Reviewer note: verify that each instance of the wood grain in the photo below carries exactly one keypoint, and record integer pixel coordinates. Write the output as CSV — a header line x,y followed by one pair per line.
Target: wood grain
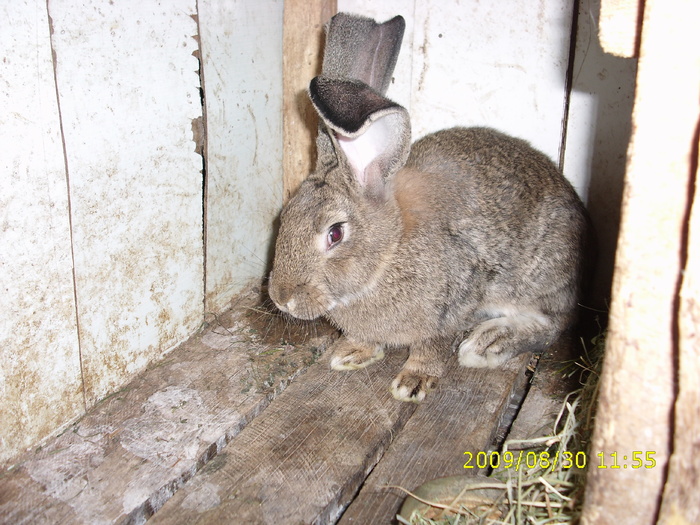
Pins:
x,y
127,456
681,498
460,416
303,53
303,459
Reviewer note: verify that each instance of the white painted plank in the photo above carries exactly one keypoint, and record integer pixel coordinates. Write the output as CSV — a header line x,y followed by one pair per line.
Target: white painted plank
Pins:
x,y
40,384
128,90
499,64
242,63
600,117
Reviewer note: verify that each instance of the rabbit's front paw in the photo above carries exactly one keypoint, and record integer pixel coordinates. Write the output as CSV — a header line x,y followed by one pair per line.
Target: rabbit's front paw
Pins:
x,y
349,355
412,386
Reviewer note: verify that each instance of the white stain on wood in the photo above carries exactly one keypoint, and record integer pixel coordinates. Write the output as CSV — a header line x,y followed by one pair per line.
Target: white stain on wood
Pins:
x,y
242,67
40,383
129,91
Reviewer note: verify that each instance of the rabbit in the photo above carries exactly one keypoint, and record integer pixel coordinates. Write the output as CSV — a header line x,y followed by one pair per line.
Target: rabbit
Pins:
x,y
467,237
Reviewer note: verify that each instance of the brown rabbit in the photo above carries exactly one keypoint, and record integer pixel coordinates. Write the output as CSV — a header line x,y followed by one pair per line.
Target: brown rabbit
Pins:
x,y
468,231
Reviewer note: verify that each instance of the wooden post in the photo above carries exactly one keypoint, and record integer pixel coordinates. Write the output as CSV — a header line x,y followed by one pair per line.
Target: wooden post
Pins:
x,y
639,418
304,21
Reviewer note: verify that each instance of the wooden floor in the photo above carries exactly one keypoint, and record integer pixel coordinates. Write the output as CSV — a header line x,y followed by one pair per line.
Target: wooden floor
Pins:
x,y
246,423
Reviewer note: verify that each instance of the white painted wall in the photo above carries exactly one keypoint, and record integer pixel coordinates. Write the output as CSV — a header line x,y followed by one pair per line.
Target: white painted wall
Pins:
x,y
600,125
491,63
102,239
40,381
503,64
128,92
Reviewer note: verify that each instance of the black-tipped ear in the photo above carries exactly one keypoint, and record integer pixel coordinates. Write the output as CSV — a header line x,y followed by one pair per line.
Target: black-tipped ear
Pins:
x,y
373,132
360,48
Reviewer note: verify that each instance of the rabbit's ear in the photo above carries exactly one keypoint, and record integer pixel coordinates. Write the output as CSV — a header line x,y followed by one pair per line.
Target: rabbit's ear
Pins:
x,y
373,132
360,48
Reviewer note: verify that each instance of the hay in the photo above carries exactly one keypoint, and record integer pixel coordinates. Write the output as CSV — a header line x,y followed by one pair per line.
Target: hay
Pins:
x,y
541,480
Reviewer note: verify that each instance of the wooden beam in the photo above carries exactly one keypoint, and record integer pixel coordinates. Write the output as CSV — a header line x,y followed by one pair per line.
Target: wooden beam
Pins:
x,y
304,21
681,500
640,373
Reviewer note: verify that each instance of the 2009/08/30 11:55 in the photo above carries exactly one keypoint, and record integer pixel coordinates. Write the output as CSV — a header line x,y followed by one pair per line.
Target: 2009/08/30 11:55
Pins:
x,y
566,459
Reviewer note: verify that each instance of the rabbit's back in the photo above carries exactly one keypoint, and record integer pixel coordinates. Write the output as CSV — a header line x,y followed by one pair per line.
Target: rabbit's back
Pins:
x,y
510,226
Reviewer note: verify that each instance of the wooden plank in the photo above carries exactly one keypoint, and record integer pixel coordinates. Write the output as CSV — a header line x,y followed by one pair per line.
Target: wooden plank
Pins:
x,y
302,460
127,456
128,93
40,382
460,416
303,53
241,49
638,384
597,135
681,497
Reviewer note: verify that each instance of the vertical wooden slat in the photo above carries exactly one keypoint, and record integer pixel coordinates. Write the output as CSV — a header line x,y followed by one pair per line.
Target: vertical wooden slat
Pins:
x,y
681,499
637,388
620,22
128,92
241,48
303,53
40,383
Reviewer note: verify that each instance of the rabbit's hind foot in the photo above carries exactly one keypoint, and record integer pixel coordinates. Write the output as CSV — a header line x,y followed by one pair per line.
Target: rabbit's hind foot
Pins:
x,y
496,340
350,355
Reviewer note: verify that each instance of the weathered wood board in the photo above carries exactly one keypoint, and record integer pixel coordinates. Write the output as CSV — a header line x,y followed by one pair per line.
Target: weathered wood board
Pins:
x,y
303,459
641,384
40,377
124,459
306,456
128,91
460,416
303,51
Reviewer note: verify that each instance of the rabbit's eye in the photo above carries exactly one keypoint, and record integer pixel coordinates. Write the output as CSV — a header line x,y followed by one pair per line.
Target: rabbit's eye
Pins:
x,y
335,235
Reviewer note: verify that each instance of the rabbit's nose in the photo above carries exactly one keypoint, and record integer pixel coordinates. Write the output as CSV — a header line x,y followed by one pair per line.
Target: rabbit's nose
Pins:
x,y
282,296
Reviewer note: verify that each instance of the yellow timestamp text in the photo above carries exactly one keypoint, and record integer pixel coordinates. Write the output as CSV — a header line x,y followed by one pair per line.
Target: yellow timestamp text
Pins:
x,y
566,460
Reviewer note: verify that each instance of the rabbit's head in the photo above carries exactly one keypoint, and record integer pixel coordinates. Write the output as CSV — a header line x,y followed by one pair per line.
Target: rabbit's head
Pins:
x,y
340,229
